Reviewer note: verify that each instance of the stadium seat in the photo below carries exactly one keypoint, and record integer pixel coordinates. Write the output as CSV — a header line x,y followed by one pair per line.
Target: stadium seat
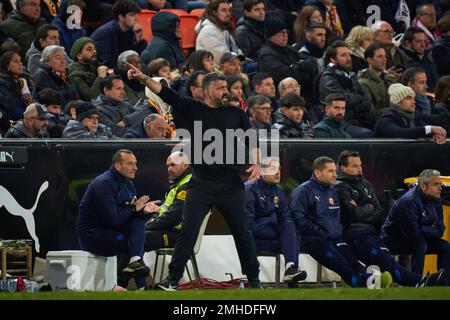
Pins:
x,y
178,12
145,19
277,256
169,251
187,26
198,12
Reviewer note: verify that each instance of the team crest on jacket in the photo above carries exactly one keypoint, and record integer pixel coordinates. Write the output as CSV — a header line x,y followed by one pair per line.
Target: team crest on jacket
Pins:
x,y
276,200
331,201
181,195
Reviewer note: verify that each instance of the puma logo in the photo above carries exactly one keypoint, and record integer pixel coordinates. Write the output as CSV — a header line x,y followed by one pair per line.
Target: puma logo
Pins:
x,y
9,202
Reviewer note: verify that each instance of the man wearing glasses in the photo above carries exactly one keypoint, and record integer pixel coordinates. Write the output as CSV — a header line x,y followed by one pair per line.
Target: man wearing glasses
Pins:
x,y
33,125
426,20
260,110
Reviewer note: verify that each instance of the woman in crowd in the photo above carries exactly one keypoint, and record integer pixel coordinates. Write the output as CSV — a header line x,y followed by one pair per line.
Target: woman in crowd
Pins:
x,y
236,90
359,39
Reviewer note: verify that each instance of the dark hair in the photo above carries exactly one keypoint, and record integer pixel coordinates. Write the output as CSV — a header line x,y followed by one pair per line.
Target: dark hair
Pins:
x,y
331,51
123,7
344,155
249,4
155,65
320,163
232,80
293,100
259,77
5,60
210,14
410,74
258,100
210,78
334,97
420,7
302,20
72,105
117,157
192,80
195,61
444,24
10,45
442,89
410,34
50,96
108,83
310,27
370,51
42,31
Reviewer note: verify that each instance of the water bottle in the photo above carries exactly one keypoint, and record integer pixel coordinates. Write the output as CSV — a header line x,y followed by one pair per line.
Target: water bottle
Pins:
x,y
241,284
32,286
21,287
333,284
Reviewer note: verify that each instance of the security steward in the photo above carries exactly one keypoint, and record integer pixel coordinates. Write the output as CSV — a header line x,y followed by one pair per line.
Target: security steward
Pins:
x,y
212,184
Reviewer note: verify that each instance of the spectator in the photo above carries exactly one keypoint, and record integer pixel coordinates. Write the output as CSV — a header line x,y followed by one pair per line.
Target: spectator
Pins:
x,y
442,106
199,60
333,124
399,121
46,35
86,72
359,39
416,79
329,14
397,59
117,36
52,73
288,85
134,90
86,125
194,85
166,40
280,60
235,87
23,23
140,43
375,80
115,112
53,101
154,5
426,21
270,221
289,118
260,112
15,89
338,78
33,125
70,111
413,45
251,28
308,15
263,85
214,32
160,67
415,224
441,48
68,35
154,126
398,13
230,65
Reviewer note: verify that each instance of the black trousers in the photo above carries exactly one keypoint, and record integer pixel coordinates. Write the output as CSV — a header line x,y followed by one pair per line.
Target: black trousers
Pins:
x,y
228,197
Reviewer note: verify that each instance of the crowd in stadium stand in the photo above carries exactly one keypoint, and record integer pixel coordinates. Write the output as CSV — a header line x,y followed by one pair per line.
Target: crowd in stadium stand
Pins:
x,y
287,64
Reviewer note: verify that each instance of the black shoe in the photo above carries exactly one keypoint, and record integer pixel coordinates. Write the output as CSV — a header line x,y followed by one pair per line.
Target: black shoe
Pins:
x,y
255,284
293,274
168,284
137,269
432,280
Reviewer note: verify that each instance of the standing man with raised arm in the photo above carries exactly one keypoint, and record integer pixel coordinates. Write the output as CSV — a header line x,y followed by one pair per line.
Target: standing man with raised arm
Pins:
x,y
212,183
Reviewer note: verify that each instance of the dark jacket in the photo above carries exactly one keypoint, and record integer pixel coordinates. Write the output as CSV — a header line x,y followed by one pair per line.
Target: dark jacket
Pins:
x,y
56,125
266,208
315,211
352,13
330,128
18,131
288,128
85,77
170,217
441,55
249,36
76,130
106,204
134,90
136,131
414,218
67,36
12,105
45,79
358,106
389,9
113,111
426,62
393,124
164,43
111,41
364,218
22,30
358,63
283,62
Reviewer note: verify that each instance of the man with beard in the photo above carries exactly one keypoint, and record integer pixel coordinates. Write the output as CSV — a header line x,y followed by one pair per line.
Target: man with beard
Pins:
x,y
333,123
214,183
362,216
85,71
33,125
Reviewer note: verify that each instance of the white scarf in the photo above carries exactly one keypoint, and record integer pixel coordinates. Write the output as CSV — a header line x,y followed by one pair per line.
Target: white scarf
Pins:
x,y
403,13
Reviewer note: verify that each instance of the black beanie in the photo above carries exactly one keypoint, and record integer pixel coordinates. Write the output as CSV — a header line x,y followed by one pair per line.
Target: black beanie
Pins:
x,y
85,110
274,25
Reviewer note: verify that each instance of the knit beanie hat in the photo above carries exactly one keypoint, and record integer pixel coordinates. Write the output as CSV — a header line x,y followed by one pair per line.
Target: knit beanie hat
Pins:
x,y
78,46
398,92
85,110
274,25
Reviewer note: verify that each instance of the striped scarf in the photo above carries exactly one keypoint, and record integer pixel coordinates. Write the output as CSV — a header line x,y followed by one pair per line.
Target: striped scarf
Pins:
x,y
333,22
